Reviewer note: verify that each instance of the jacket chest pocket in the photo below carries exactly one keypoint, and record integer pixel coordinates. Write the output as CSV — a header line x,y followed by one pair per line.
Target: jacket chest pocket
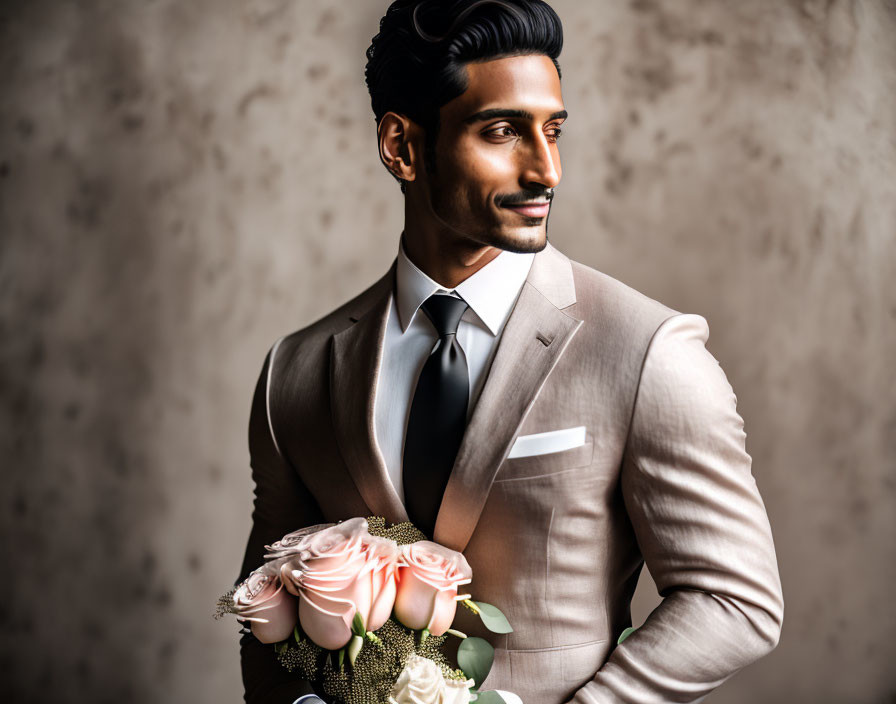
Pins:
x,y
552,463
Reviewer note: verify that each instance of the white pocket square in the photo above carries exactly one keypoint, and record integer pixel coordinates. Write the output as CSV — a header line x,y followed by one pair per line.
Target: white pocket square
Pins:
x,y
545,443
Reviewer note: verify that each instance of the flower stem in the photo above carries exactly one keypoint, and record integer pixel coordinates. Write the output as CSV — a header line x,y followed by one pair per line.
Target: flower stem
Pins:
x,y
471,606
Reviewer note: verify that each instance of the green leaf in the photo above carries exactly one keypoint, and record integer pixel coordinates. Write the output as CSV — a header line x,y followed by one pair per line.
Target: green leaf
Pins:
x,y
494,620
625,634
475,657
489,697
295,634
358,625
341,657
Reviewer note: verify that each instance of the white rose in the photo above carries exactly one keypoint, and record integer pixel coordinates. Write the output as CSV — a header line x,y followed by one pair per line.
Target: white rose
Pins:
x,y
421,682
457,692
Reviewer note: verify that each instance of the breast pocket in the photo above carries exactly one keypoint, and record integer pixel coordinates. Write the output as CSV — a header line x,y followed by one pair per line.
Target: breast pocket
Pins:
x,y
535,466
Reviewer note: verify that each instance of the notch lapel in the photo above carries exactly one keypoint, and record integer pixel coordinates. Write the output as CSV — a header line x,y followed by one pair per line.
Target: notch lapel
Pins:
x,y
354,367
534,338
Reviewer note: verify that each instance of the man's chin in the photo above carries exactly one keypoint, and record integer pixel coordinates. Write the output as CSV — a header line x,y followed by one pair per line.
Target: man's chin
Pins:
x,y
521,243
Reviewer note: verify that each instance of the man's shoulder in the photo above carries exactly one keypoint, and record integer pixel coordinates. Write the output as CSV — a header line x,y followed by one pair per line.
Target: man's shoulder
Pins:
x,y
598,293
315,335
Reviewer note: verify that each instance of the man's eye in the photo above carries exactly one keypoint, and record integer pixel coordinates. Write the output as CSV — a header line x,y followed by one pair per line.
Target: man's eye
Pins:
x,y
554,134
503,131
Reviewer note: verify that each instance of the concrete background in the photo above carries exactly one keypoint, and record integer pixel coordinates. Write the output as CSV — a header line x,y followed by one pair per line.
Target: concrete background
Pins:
x,y
183,182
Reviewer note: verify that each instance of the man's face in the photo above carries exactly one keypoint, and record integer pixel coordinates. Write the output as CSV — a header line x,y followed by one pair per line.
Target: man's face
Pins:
x,y
497,160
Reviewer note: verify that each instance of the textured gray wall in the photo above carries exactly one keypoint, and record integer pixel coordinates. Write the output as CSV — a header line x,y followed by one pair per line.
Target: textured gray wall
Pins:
x,y
183,182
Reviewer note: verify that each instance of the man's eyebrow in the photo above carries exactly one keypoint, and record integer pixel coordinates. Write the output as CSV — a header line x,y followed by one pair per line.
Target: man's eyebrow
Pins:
x,y
494,113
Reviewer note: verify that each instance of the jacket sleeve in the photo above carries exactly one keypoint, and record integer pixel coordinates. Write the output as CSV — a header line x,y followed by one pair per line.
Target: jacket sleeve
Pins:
x,y
702,529
282,504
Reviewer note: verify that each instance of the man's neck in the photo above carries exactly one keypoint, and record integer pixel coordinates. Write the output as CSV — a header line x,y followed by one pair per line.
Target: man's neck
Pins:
x,y
448,263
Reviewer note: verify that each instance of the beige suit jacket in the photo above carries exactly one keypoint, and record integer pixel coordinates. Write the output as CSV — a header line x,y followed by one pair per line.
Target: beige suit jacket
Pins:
x,y
556,541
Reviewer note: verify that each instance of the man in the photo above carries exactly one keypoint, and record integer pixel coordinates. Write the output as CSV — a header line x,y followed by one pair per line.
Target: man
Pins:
x,y
554,425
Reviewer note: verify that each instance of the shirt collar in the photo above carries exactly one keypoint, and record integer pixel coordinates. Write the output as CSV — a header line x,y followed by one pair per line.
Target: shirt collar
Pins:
x,y
490,292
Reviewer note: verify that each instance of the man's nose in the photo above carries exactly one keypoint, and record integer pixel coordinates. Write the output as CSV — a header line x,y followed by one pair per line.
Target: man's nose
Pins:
x,y
542,164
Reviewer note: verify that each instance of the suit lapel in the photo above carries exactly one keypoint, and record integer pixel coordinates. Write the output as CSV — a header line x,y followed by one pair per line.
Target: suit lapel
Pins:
x,y
534,338
354,366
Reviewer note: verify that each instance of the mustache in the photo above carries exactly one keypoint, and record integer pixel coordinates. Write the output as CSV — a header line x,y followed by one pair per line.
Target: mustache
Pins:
x,y
525,196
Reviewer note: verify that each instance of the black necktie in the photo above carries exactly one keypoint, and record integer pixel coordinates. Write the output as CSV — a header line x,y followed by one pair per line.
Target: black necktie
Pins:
x,y
438,416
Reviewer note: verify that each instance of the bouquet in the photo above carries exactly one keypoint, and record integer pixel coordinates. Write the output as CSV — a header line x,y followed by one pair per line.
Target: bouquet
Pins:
x,y
364,611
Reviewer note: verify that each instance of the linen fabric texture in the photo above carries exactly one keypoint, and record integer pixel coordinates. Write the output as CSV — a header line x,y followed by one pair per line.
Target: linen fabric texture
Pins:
x,y
556,540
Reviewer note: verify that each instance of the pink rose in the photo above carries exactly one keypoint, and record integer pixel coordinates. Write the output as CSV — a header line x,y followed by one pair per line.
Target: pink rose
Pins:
x,y
268,607
291,543
339,572
385,558
427,586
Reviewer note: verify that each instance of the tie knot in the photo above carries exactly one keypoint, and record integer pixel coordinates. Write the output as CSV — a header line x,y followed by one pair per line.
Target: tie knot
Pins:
x,y
445,312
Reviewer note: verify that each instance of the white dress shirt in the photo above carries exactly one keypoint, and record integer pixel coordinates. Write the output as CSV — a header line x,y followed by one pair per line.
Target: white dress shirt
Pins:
x,y
410,338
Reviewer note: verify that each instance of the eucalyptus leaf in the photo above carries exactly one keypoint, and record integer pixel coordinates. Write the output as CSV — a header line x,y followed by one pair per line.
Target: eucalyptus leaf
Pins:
x,y
489,697
625,634
494,620
475,657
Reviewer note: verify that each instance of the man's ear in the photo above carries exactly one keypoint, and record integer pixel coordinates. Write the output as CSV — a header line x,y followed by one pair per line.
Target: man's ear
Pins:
x,y
399,150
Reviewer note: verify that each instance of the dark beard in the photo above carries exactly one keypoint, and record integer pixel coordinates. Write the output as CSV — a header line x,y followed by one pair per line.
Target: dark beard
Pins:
x,y
513,246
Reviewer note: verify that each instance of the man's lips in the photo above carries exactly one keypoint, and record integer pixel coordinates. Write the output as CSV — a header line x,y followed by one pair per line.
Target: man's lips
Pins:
x,y
532,210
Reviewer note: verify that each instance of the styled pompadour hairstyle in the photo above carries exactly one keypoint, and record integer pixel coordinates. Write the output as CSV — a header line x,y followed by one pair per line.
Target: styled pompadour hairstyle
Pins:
x,y
416,64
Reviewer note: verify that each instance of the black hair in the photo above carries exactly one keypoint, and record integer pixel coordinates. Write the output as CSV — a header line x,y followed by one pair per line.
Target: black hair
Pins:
x,y
416,64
